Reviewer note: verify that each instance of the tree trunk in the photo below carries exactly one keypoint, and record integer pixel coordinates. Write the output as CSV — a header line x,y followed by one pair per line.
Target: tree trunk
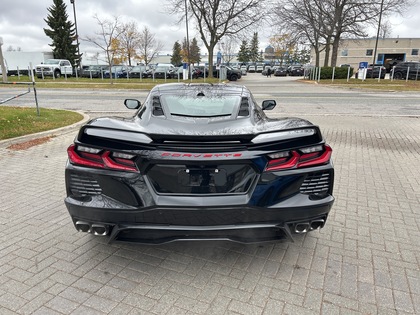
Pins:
x,y
317,57
335,50
211,49
327,51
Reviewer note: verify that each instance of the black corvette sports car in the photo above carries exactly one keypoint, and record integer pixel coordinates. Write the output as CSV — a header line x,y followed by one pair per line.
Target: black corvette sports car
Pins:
x,y
199,162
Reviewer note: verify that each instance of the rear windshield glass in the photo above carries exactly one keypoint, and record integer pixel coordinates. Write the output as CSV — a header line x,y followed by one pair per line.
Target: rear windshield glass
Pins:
x,y
201,106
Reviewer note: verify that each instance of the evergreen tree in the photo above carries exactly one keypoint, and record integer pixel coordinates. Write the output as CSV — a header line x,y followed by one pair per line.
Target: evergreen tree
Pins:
x,y
62,32
176,58
253,50
195,56
185,50
243,54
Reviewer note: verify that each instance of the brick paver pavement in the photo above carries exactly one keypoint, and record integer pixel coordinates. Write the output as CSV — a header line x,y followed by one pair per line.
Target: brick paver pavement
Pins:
x,y
365,261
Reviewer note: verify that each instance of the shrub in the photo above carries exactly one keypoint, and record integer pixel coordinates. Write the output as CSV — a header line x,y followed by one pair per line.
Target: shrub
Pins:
x,y
327,72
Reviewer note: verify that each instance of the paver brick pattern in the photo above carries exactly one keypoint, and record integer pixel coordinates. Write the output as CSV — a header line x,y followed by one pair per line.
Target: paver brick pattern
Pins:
x,y
365,261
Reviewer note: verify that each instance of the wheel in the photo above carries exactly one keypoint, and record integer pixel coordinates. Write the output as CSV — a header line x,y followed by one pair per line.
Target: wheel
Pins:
x,y
233,77
398,75
57,74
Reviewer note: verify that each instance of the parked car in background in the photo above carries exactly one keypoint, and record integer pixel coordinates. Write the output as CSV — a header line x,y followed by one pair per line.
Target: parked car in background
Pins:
x,y
54,68
231,74
164,72
295,70
194,72
411,67
140,71
94,71
202,71
280,72
252,68
244,69
117,72
272,70
199,162
375,70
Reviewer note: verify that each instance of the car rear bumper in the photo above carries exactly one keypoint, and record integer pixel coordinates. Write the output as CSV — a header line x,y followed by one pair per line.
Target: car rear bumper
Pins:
x,y
157,224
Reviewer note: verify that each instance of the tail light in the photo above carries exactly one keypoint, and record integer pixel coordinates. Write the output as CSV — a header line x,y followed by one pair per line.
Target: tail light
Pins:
x,y
97,158
311,156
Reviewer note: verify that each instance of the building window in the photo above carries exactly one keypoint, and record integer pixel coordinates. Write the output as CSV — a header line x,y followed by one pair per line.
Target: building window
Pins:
x,y
414,52
344,53
369,52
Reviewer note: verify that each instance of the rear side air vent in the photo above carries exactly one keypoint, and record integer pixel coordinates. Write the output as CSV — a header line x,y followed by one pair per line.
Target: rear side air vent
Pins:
x,y
157,106
244,108
83,186
316,184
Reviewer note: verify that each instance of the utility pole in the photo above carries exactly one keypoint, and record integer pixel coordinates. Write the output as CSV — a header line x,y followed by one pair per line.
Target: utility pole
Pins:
x,y
3,67
377,34
77,35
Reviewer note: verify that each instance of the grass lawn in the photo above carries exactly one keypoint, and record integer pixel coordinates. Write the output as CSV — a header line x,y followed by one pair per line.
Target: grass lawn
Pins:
x,y
374,84
87,83
19,121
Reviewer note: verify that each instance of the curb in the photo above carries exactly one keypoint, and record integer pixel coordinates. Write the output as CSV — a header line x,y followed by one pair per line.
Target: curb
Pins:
x,y
48,133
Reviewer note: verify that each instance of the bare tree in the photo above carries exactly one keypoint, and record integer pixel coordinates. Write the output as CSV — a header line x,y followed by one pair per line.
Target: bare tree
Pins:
x,y
307,26
385,30
148,46
230,48
109,31
324,22
215,19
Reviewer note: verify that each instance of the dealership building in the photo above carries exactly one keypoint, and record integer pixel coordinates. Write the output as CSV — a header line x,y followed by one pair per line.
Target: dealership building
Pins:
x,y
390,51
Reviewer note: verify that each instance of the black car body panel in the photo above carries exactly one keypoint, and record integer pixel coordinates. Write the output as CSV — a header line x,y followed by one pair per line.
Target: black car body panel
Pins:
x,y
374,71
94,71
280,72
199,161
406,70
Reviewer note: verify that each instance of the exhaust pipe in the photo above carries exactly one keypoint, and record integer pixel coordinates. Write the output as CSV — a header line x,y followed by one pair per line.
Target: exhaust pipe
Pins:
x,y
100,229
83,226
317,224
301,228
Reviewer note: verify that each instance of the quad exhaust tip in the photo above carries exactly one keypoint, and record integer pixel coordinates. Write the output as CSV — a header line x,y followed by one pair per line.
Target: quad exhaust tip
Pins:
x,y
100,229
305,227
95,229
83,226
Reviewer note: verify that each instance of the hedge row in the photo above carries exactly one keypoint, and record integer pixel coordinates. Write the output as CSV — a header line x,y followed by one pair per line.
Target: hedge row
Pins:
x,y
327,72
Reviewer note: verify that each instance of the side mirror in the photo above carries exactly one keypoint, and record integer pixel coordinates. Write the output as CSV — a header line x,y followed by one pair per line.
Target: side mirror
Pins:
x,y
268,104
132,104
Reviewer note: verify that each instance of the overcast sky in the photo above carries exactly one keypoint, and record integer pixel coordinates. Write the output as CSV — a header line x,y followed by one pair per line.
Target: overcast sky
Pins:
x,y
22,22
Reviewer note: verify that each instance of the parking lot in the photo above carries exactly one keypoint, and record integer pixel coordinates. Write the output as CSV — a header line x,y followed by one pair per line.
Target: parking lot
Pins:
x,y
365,261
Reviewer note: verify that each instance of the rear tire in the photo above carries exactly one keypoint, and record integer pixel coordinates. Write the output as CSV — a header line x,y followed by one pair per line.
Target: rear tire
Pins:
x,y
398,75
233,77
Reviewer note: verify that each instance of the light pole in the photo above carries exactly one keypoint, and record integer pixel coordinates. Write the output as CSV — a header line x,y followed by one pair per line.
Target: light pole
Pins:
x,y
77,35
3,67
188,39
377,34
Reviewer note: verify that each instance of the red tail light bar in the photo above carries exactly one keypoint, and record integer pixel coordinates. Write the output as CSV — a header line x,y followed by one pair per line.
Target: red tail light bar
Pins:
x,y
312,156
97,158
